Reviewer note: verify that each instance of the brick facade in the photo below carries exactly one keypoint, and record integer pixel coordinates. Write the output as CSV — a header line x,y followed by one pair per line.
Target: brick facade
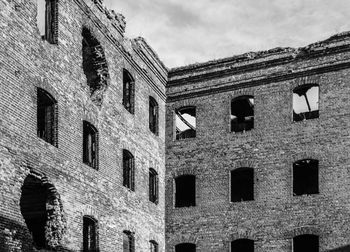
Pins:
x,y
75,190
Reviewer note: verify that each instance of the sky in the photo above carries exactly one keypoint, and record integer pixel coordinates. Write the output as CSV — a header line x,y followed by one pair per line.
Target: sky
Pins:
x,y
184,32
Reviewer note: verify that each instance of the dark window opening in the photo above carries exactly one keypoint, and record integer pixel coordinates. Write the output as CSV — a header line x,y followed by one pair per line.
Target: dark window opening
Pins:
x,y
94,65
46,117
305,177
185,121
242,113
38,199
128,92
90,145
185,247
47,20
128,241
303,243
153,246
128,170
90,234
242,245
305,102
153,186
242,184
153,115
185,191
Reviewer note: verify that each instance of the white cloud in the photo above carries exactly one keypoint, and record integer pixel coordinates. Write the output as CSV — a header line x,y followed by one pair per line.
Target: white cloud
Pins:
x,y
184,32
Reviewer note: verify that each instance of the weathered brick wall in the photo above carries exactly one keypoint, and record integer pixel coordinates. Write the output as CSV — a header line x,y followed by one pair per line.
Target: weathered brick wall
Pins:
x,y
28,62
275,216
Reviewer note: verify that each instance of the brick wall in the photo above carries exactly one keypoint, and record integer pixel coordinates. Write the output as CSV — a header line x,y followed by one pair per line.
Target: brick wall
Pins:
x,y
28,62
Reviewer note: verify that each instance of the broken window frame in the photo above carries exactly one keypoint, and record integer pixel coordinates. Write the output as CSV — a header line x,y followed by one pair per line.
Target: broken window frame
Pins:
x,y
244,122
47,117
154,247
153,186
153,116
128,170
306,182
90,145
128,92
128,241
306,238
192,130
246,191
242,243
185,247
180,193
310,114
90,234
50,31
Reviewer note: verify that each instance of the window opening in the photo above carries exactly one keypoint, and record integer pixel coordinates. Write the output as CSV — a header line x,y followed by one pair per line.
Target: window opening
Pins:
x,y
153,115
128,170
90,235
153,246
185,247
305,177
242,245
307,242
47,20
305,102
153,186
128,91
128,241
242,113
90,145
185,191
242,184
185,121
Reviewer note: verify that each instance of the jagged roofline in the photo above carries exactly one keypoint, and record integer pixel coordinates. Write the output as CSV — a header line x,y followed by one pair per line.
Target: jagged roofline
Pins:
x,y
259,54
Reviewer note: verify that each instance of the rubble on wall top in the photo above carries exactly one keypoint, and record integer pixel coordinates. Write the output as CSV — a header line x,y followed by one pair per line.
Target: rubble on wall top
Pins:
x,y
249,56
117,19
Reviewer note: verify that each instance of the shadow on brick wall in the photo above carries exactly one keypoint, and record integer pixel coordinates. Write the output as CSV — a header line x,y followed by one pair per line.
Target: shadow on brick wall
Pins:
x,y
340,249
16,237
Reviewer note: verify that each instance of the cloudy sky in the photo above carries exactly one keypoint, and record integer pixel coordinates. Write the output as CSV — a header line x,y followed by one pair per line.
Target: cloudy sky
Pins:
x,y
183,32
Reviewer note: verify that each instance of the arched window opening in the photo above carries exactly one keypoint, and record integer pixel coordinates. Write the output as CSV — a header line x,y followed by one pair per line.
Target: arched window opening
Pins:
x,y
153,115
95,66
128,170
185,191
307,242
47,20
128,92
46,117
90,234
242,184
42,211
90,145
242,245
153,186
153,246
185,247
128,241
305,177
305,102
242,113
185,121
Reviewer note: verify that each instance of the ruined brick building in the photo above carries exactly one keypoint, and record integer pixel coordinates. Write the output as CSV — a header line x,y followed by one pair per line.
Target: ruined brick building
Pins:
x,y
102,148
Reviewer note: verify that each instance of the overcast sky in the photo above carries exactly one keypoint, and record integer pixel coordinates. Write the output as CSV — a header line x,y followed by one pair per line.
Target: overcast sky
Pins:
x,y
183,32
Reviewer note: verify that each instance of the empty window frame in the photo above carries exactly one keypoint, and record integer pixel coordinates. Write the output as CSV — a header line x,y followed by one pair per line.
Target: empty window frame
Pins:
x,y
185,191
307,242
305,102
241,245
305,177
128,91
90,145
46,117
153,186
185,122
90,234
185,247
153,246
128,170
242,113
242,184
128,241
153,115
47,20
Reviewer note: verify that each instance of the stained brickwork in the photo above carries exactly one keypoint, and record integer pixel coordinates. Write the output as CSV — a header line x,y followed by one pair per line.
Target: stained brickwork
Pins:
x,y
28,62
275,216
